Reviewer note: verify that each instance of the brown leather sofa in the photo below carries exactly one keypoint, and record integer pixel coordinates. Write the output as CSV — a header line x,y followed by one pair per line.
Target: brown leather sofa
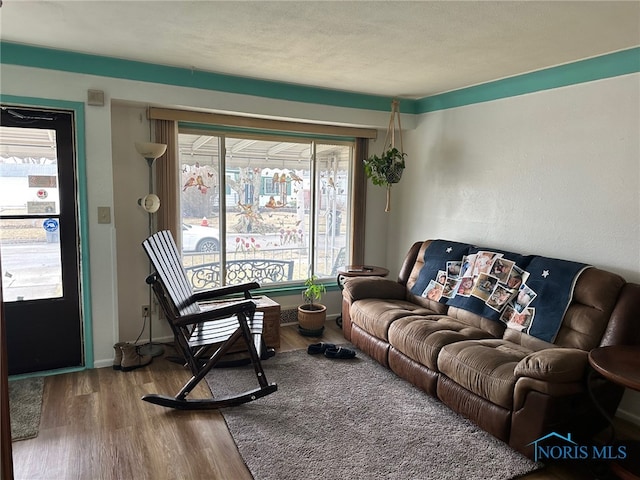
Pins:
x,y
513,385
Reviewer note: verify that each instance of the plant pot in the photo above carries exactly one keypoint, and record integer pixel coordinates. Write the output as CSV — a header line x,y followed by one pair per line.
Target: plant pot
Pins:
x,y
395,173
311,319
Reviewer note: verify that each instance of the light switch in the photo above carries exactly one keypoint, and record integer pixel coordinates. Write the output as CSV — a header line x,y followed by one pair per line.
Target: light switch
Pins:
x,y
104,215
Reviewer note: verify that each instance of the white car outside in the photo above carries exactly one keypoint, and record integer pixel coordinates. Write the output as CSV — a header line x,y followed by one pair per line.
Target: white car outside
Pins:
x,y
196,238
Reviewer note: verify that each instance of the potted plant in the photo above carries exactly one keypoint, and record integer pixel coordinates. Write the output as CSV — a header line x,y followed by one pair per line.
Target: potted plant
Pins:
x,y
385,170
311,315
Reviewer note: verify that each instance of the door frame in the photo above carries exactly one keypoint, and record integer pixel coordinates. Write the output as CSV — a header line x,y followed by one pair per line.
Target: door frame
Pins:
x,y
83,220
6,452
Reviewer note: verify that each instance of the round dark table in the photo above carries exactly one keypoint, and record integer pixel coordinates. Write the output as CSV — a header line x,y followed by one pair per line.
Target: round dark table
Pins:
x,y
362,271
621,365
618,363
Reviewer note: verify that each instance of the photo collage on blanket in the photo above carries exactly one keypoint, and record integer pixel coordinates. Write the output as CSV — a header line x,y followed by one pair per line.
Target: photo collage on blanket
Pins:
x,y
493,279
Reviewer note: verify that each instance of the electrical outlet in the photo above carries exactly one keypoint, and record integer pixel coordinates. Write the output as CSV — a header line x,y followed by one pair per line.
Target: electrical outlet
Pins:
x,y
145,311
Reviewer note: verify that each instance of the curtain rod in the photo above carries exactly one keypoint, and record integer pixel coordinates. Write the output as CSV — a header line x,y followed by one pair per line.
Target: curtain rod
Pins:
x,y
155,113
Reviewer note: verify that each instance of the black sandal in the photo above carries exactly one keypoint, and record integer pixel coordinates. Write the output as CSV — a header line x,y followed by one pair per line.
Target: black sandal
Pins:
x,y
316,348
340,352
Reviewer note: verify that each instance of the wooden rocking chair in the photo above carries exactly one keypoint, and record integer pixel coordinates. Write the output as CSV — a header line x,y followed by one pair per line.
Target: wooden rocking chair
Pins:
x,y
204,333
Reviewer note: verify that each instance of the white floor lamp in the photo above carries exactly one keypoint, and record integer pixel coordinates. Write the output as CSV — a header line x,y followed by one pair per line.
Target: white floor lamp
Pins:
x,y
150,203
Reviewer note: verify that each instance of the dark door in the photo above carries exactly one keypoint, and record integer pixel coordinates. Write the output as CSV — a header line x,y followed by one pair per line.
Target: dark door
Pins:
x,y
39,242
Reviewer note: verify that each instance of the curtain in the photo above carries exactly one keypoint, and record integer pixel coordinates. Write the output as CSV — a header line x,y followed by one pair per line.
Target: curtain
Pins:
x,y
359,196
167,181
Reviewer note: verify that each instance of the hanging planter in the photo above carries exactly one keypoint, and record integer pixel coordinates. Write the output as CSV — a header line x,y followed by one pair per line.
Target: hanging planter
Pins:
x,y
385,170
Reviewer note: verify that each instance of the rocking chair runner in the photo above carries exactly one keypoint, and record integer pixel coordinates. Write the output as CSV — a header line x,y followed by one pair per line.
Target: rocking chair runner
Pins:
x,y
199,329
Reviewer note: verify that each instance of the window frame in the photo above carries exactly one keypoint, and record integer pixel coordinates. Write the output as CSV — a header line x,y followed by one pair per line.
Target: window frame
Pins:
x,y
222,132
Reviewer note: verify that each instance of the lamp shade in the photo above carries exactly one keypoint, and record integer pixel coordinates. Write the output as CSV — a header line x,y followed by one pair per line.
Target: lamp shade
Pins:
x,y
150,203
151,150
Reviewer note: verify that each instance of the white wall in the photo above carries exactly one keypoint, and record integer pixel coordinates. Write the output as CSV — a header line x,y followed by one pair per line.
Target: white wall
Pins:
x,y
130,182
555,173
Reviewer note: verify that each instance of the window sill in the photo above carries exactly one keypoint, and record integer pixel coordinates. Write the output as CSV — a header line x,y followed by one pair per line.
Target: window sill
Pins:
x,y
280,291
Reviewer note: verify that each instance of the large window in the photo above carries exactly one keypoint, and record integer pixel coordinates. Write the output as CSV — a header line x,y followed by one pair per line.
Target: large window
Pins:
x,y
279,212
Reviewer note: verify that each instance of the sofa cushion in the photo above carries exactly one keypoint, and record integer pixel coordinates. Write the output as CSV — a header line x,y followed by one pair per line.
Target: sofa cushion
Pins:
x,y
436,307
416,268
422,338
594,299
357,288
484,367
527,341
554,365
496,329
374,316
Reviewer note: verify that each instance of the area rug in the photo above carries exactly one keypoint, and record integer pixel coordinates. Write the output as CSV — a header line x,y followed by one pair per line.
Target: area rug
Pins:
x,y
355,419
25,406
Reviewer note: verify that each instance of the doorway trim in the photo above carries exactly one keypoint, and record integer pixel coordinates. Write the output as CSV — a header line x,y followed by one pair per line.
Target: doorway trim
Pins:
x,y
83,220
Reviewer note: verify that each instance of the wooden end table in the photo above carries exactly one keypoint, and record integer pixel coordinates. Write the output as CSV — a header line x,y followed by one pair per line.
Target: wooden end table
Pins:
x,y
621,365
271,328
357,271
618,363
271,321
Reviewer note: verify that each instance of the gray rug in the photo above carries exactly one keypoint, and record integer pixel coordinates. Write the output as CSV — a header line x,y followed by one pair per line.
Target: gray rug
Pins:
x,y
25,406
355,419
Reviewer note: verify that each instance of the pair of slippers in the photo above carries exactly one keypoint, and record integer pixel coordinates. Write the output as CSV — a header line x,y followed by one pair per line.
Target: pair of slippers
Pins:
x,y
330,350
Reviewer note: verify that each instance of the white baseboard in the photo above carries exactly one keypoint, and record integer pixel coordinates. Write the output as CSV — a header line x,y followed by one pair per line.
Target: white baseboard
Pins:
x,y
103,363
108,362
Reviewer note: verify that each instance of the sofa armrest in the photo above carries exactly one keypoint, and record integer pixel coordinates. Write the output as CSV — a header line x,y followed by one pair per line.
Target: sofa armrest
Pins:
x,y
358,288
555,365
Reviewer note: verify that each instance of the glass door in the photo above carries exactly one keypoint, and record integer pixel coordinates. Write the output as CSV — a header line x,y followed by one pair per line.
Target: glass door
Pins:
x,y
39,244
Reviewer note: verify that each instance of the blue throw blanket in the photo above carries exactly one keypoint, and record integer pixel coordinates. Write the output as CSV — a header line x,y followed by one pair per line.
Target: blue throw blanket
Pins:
x,y
526,292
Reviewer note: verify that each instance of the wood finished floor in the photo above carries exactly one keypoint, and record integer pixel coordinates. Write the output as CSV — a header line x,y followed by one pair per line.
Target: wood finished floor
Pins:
x,y
94,426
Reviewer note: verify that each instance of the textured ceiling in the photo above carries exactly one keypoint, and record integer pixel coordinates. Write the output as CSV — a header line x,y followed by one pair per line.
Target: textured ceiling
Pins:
x,y
404,49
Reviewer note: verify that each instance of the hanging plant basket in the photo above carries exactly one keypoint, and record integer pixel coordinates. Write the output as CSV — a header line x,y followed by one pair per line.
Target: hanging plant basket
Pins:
x,y
395,172
385,170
